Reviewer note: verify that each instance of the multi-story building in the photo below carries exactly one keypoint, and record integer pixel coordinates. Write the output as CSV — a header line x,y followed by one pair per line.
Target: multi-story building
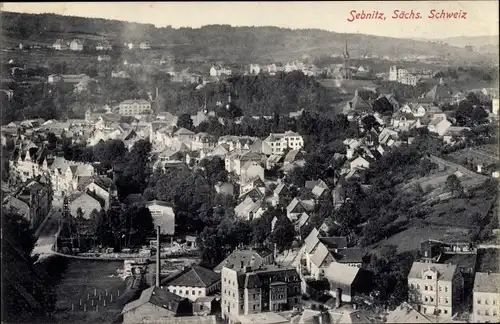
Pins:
x,y
280,142
103,46
218,70
251,291
435,288
134,107
409,79
486,298
403,76
195,282
60,45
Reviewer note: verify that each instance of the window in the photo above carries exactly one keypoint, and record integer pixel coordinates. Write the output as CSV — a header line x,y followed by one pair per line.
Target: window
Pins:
x,y
446,300
494,302
199,292
445,288
253,296
201,307
241,307
479,301
487,312
193,292
296,300
187,292
426,299
486,301
175,291
426,287
446,311
418,286
478,312
412,286
432,288
429,277
254,307
425,310
440,288
494,312
432,299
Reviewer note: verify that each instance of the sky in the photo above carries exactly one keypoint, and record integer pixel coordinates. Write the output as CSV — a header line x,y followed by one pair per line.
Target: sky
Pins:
x,y
481,18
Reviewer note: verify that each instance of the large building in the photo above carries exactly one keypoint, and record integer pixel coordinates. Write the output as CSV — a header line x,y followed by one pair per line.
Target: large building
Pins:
x,y
195,282
486,298
134,107
280,142
435,288
247,291
402,76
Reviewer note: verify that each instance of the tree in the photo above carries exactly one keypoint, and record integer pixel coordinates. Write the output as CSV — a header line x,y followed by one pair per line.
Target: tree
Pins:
x,y
185,121
454,185
283,234
369,122
31,295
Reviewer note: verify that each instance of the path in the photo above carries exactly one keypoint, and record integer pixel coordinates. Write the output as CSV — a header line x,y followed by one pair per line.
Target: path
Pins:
x,y
47,231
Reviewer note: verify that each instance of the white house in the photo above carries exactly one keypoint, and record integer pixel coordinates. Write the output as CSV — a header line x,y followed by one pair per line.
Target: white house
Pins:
x,y
254,69
195,282
280,142
439,125
76,45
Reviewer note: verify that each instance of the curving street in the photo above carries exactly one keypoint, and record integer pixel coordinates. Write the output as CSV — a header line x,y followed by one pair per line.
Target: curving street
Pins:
x,y
47,231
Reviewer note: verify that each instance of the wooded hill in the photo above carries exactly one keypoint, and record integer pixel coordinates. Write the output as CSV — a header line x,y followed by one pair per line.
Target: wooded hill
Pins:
x,y
214,42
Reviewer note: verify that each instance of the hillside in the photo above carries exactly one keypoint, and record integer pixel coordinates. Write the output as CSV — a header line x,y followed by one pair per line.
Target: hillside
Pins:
x,y
481,44
214,42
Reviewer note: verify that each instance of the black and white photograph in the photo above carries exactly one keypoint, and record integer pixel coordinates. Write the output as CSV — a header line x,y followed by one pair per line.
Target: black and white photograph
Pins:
x,y
293,162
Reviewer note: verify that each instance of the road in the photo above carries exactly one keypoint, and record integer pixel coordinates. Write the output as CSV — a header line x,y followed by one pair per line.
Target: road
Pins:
x,y
47,232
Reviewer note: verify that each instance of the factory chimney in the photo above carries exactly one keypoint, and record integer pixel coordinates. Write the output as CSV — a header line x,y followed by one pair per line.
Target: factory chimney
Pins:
x,y
158,270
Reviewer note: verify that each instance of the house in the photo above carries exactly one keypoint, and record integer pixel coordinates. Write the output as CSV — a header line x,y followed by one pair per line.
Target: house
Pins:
x,y
103,46
435,288
279,142
486,298
302,221
235,160
145,45
100,186
134,107
224,188
163,215
359,163
250,170
254,69
195,282
101,58
60,45
439,125
54,78
76,45
250,208
204,306
83,204
248,289
154,303
297,207
219,70
281,195
120,74
256,258
344,281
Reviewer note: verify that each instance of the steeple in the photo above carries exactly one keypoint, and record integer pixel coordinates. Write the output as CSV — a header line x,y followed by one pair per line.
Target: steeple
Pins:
x,y
347,68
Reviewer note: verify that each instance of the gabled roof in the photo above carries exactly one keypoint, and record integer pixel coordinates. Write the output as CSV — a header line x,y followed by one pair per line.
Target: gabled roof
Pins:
x,y
405,313
252,257
320,254
445,271
337,242
196,276
304,217
158,297
183,131
341,273
311,240
350,255
487,282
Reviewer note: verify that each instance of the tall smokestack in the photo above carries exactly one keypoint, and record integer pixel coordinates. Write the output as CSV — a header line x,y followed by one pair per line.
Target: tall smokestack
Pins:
x,y
158,256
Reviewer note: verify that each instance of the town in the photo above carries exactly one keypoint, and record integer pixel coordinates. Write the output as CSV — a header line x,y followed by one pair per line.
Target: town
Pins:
x,y
352,188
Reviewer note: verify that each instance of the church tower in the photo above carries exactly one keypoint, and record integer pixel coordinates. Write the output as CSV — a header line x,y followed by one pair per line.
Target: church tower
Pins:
x,y
347,65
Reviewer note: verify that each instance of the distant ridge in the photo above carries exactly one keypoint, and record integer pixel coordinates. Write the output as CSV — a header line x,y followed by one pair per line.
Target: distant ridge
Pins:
x,y
221,42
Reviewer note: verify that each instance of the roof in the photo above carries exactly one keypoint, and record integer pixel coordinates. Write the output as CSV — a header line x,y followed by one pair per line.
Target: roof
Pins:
x,y
304,217
156,296
406,314
311,240
196,276
132,101
210,319
350,255
484,282
263,318
462,260
338,242
445,271
236,257
183,131
320,255
341,273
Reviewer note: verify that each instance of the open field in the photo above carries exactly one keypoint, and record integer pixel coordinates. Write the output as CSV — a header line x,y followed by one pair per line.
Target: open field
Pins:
x,y
79,282
486,155
410,238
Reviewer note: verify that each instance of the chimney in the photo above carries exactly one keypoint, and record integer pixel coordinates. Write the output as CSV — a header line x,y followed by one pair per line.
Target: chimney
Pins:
x,y
158,270
338,297
242,265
